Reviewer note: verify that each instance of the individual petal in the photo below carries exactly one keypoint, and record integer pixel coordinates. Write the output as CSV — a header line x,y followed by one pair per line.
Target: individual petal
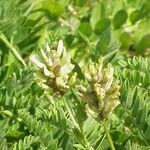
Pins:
x,y
44,56
47,72
60,48
99,71
66,69
37,62
65,59
44,86
63,70
48,48
92,69
109,77
46,59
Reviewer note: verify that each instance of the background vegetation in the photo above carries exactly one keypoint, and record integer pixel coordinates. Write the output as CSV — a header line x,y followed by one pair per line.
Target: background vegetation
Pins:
x,y
118,30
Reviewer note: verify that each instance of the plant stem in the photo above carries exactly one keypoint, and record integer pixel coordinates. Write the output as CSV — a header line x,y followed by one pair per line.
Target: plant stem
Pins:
x,y
109,137
14,51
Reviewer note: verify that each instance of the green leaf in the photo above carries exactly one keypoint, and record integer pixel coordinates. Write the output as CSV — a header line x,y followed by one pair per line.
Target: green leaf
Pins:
x,y
103,43
107,45
125,40
142,30
21,35
69,39
143,44
80,3
101,25
78,70
3,72
98,12
146,9
85,29
120,18
52,8
78,136
135,16
110,56
13,50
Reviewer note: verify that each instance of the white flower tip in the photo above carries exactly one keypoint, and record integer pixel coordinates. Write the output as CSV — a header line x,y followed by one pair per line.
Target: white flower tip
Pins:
x,y
47,72
60,48
48,48
110,69
32,58
43,55
66,69
36,61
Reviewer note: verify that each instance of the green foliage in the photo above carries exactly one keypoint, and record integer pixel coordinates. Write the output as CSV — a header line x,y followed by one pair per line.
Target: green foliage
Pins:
x,y
135,16
120,18
102,25
27,143
33,119
52,8
135,96
85,29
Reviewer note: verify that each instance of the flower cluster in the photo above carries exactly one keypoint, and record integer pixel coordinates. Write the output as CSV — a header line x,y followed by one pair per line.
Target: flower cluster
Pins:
x,y
54,69
101,93
54,73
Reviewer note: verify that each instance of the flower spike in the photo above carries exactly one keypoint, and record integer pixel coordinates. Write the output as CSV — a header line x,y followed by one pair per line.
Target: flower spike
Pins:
x,y
101,93
55,67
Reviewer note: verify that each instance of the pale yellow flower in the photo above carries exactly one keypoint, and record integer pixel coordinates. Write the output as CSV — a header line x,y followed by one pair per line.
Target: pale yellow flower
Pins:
x,y
101,93
55,67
